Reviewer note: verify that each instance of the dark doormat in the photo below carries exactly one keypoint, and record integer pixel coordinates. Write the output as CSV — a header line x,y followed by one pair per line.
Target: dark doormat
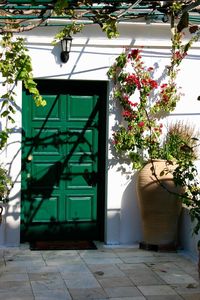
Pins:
x,y
63,245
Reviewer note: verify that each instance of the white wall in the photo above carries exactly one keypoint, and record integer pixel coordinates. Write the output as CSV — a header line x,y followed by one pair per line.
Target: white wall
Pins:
x,y
92,54
188,239
10,157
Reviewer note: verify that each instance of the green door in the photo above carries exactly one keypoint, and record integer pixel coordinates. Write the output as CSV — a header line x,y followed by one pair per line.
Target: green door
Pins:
x,y
60,168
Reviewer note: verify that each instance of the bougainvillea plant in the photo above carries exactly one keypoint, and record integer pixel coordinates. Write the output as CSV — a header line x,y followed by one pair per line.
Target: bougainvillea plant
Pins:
x,y
145,102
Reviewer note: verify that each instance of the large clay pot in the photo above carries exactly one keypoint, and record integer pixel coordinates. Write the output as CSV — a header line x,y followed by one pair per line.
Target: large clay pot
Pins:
x,y
160,210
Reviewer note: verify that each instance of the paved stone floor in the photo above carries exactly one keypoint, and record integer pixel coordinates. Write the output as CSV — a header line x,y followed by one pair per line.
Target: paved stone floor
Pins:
x,y
106,273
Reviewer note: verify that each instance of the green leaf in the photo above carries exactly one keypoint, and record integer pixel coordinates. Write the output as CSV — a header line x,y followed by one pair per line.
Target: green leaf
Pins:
x,y
5,113
11,108
5,102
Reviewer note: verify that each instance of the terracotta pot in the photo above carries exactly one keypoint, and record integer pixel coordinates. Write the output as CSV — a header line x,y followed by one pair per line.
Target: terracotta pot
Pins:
x,y
160,210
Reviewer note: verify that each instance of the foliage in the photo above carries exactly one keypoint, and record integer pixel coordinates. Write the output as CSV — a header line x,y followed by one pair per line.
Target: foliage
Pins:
x,y
15,65
180,146
181,142
105,13
108,25
134,89
5,185
106,21
68,30
145,101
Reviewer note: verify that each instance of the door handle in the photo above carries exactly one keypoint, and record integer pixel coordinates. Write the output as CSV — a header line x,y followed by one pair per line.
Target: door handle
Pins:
x,y
29,158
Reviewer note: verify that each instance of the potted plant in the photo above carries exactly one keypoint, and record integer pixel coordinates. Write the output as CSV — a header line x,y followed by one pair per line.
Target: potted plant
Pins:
x,y
160,187
5,187
145,102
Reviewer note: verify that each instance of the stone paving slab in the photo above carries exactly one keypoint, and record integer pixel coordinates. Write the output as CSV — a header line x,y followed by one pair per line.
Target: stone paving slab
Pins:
x,y
108,282
86,293
106,273
109,270
15,289
165,297
159,290
123,291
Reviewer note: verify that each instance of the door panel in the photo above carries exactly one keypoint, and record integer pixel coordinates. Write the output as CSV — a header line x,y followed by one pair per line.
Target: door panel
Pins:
x,y
60,167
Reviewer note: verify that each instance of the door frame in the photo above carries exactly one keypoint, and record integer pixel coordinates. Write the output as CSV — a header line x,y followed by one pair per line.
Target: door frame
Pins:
x,y
88,87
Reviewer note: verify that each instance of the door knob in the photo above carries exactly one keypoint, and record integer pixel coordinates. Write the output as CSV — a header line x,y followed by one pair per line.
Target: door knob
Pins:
x,y
30,158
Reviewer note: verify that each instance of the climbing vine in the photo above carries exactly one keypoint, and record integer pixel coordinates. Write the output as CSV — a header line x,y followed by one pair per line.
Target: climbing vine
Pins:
x,y
15,65
67,31
106,20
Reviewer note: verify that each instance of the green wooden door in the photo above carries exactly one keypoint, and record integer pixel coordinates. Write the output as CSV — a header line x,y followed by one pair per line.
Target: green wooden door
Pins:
x,y
60,173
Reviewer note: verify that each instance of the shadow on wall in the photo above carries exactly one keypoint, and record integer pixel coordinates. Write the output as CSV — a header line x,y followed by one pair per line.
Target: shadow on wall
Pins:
x,y
130,229
187,240
10,158
10,226
127,218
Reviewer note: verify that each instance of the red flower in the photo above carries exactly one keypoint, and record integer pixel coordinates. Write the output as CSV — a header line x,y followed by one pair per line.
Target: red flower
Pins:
x,y
126,98
141,124
153,84
178,55
149,82
126,114
134,53
130,103
115,142
144,81
133,79
163,86
165,98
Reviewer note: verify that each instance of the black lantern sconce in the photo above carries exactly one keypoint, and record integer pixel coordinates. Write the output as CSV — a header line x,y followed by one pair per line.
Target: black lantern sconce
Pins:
x,y
66,47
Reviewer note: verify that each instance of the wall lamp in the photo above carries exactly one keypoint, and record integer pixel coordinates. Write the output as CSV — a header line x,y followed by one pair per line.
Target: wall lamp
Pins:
x,y
66,47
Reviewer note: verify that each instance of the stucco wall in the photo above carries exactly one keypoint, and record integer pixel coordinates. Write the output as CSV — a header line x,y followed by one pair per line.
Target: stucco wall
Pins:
x,y
92,54
10,158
